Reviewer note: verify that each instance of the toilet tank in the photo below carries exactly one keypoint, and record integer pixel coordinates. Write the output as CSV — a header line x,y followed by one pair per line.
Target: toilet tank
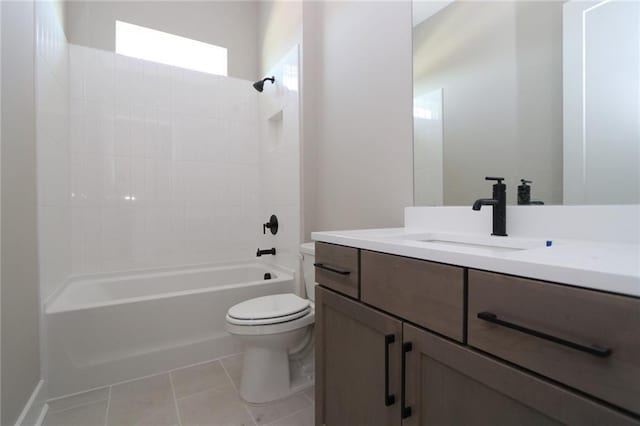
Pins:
x,y
308,253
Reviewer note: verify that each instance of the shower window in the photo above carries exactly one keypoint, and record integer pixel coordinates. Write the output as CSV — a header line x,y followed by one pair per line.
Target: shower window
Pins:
x,y
157,46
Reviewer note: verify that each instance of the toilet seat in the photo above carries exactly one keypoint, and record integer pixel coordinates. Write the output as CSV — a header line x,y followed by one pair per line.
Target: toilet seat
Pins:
x,y
267,321
270,309
272,328
273,314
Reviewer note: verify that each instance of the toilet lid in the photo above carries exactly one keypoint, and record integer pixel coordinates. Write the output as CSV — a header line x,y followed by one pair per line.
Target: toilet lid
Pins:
x,y
269,307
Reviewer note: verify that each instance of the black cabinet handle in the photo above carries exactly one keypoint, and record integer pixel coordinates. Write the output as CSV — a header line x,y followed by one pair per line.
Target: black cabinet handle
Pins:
x,y
406,411
332,269
590,349
389,399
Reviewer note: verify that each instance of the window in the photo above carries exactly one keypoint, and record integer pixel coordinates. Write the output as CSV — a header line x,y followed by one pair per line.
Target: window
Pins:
x,y
157,46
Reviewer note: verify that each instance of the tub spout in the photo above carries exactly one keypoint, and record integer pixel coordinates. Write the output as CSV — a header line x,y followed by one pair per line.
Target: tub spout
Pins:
x,y
271,251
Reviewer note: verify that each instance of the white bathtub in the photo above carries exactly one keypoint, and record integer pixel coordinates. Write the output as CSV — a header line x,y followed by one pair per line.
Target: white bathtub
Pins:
x,y
104,329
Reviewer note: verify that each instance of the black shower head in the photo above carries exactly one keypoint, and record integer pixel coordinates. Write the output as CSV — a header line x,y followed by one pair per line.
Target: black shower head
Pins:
x,y
259,85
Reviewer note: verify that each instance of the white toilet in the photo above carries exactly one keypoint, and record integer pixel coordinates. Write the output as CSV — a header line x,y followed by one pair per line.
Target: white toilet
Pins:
x,y
277,332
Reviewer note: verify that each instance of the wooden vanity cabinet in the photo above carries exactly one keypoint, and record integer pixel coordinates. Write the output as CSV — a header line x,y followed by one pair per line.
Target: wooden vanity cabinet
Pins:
x,y
338,268
377,365
573,321
428,294
450,384
357,363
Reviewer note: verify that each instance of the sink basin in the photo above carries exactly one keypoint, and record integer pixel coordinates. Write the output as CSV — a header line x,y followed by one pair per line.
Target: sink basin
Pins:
x,y
469,242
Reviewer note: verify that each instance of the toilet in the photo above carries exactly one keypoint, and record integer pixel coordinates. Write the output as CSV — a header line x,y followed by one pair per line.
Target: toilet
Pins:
x,y
277,333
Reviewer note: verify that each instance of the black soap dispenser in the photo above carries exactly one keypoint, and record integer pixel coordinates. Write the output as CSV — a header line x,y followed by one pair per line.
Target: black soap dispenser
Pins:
x,y
524,194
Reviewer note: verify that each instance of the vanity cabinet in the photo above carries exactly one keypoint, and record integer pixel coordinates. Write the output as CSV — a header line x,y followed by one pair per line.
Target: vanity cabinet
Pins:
x,y
428,294
449,384
357,363
384,358
338,268
586,339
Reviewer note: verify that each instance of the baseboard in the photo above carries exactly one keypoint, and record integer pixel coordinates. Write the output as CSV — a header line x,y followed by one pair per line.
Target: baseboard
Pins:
x,y
36,407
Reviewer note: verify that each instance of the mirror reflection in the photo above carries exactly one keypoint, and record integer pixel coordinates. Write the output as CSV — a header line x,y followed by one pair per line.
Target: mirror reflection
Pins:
x,y
545,92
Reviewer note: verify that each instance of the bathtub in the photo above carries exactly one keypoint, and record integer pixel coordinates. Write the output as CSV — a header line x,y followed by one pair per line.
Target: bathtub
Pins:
x,y
103,329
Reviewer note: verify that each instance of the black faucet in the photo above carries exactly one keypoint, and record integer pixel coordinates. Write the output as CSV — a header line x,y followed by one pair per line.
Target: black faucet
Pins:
x,y
524,194
271,251
499,203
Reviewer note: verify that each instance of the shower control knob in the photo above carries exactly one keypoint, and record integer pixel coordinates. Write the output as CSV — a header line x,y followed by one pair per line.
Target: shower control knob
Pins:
x,y
272,225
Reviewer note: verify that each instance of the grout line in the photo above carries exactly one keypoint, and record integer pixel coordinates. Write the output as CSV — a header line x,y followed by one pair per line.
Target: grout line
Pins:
x,y
138,378
167,371
246,408
229,376
106,415
82,404
211,389
175,400
288,415
203,362
58,398
309,398
110,387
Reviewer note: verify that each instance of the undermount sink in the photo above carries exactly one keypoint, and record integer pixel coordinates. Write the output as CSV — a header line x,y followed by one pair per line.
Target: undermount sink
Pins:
x,y
493,244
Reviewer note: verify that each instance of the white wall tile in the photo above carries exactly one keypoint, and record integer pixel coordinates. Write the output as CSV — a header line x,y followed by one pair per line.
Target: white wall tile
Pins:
x,y
168,160
279,165
99,76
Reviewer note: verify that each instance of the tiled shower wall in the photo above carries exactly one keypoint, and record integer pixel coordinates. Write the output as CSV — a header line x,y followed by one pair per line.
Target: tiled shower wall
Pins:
x,y
280,160
164,164
53,147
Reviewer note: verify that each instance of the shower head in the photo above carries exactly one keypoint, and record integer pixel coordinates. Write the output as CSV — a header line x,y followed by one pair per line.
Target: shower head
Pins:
x,y
259,85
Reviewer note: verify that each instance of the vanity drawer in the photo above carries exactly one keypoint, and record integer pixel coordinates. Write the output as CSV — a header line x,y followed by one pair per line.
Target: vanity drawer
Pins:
x,y
337,268
560,332
428,294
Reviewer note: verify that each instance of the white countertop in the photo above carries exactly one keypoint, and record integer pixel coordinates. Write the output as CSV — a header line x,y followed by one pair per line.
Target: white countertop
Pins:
x,y
601,265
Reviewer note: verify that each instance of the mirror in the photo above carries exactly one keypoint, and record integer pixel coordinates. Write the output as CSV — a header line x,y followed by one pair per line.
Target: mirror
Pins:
x,y
546,91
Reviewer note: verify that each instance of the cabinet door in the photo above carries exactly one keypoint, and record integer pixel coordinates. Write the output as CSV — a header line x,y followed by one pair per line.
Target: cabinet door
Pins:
x,y
583,338
357,363
448,384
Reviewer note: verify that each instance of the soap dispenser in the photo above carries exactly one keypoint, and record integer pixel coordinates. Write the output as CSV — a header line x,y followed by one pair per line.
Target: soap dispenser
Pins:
x,y
524,194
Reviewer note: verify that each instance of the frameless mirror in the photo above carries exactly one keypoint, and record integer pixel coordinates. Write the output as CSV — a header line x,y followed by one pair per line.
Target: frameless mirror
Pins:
x,y
546,91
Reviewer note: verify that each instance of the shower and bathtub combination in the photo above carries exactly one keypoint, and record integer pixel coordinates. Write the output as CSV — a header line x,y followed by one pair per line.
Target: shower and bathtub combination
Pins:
x,y
107,328
172,173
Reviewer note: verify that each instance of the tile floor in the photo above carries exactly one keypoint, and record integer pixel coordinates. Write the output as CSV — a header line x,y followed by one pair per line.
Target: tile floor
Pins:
x,y
204,394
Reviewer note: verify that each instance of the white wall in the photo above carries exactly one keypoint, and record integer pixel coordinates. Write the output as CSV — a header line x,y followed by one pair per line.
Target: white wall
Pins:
x,y
20,299
53,147
357,94
53,157
164,164
280,161
501,78
279,30
230,24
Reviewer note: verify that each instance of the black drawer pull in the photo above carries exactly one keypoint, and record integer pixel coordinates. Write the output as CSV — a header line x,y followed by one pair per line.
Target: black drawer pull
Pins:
x,y
406,411
590,349
389,399
332,269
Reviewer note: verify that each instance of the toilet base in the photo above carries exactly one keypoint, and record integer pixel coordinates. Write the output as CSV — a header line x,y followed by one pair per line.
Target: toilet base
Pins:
x,y
270,373
265,375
